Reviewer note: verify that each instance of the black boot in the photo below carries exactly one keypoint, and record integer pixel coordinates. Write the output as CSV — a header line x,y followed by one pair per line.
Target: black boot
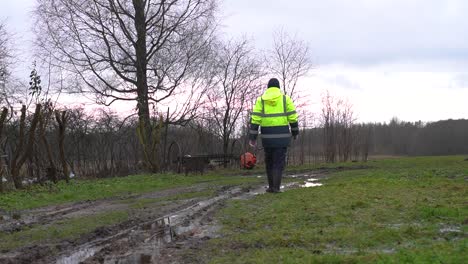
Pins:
x,y
270,182
276,181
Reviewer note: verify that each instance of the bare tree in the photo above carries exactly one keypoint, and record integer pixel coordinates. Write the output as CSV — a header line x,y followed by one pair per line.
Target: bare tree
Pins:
x,y
44,123
25,145
345,121
142,51
237,77
5,62
362,141
4,73
337,120
62,118
328,121
3,117
289,60
5,51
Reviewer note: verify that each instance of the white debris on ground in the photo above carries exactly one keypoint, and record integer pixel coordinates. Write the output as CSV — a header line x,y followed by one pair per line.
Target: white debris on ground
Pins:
x,y
27,181
450,229
297,175
311,183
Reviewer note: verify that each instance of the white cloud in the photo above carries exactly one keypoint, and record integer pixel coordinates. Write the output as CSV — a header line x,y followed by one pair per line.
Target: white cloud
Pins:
x,y
385,92
405,58
17,17
360,31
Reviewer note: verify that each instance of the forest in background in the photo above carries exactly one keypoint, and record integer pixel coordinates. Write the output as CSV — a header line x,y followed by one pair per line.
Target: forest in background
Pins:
x,y
106,145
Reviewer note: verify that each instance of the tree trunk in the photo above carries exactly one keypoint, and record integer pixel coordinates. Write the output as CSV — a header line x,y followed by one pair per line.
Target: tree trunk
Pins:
x,y
21,156
61,118
51,170
225,150
144,127
2,124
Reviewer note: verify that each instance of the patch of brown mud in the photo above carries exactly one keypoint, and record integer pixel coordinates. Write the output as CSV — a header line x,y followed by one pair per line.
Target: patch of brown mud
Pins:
x,y
179,242
46,252
186,248
18,220
145,242
160,234
182,248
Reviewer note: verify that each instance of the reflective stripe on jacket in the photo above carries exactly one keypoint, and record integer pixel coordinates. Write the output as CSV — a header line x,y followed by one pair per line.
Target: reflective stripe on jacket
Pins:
x,y
274,113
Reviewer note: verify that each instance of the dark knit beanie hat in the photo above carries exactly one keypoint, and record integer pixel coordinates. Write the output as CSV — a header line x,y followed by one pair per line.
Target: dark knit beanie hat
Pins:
x,y
273,82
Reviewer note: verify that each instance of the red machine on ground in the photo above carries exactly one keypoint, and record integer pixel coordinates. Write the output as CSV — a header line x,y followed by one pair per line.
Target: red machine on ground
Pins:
x,y
248,160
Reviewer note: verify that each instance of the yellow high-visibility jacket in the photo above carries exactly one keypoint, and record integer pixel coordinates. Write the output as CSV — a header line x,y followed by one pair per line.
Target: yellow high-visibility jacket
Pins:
x,y
274,112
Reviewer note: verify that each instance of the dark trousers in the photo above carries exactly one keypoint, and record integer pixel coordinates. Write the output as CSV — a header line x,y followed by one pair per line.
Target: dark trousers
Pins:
x,y
275,160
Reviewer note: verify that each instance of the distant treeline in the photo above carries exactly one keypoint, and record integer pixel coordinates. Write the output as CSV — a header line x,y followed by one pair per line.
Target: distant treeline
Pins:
x,y
340,142
45,145
48,146
446,137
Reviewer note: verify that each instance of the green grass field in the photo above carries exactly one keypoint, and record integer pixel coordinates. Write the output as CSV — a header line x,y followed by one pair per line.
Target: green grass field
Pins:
x,y
94,189
406,210
399,210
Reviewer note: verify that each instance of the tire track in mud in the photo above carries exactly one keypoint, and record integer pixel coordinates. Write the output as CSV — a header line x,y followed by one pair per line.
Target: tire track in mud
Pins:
x,y
47,252
157,238
18,220
143,243
162,240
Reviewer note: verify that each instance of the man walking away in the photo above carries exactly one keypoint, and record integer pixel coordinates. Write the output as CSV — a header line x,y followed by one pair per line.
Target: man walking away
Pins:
x,y
274,112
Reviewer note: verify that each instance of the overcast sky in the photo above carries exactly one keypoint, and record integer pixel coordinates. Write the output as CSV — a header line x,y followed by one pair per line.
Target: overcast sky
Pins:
x,y
403,58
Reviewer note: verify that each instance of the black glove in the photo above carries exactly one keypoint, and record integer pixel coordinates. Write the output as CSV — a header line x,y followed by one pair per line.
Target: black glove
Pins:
x,y
294,134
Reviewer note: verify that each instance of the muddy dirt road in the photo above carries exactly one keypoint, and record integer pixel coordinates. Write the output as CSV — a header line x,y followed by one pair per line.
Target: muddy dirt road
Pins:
x,y
161,225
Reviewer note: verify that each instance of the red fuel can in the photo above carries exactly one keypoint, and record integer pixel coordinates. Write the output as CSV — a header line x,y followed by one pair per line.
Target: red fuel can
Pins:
x,y
248,160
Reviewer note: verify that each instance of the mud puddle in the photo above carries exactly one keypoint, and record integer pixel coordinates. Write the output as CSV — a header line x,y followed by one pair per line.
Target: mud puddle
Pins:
x,y
19,219
312,182
187,228
155,239
142,243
